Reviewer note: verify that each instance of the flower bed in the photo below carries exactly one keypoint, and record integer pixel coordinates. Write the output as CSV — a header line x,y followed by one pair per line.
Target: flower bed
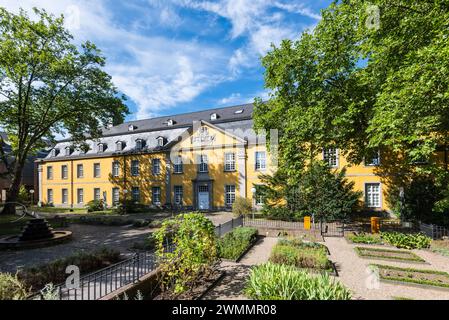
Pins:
x,y
409,275
272,281
407,241
385,254
236,243
365,238
304,255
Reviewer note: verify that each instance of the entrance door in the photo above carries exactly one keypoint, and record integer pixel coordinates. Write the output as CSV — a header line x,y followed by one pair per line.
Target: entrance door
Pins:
x,y
203,197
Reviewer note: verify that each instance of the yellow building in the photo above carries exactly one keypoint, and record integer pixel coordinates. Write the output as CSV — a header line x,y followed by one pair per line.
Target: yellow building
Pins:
x,y
200,160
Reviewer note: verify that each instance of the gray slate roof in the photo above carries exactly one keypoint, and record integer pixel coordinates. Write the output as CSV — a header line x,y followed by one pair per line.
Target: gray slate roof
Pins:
x,y
239,124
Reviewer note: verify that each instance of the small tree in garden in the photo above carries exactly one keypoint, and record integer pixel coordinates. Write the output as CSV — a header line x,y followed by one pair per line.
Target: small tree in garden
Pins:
x,y
195,250
241,206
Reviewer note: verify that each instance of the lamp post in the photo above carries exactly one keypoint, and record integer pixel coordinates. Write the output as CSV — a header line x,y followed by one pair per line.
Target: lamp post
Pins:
x,y
32,196
253,202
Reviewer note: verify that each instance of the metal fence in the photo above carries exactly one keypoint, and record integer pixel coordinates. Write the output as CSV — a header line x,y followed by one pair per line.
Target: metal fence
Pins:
x,y
224,228
99,284
433,231
274,224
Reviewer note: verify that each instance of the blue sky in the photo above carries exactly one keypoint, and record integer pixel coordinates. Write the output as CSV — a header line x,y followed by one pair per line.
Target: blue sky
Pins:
x,y
174,56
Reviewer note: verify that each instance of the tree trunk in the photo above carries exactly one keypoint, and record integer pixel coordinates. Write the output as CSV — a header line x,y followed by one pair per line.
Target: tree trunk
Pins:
x,y
10,208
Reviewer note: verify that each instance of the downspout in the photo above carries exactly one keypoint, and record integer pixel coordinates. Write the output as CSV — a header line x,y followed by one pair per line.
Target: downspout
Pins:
x,y
71,182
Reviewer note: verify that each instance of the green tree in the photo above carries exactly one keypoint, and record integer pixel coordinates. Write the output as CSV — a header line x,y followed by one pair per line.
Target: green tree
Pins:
x,y
319,190
48,86
363,86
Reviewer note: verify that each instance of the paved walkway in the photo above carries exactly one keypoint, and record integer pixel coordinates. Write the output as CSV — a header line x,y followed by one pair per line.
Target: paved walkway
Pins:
x,y
354,273
232,285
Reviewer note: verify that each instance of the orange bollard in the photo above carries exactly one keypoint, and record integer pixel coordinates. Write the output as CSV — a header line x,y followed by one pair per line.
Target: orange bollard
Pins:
x,y
307,223
375,224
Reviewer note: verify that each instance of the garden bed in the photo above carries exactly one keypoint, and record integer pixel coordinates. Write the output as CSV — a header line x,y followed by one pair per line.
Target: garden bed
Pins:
x,y
197,290
364,238
429,278
235,244
385,254
310,256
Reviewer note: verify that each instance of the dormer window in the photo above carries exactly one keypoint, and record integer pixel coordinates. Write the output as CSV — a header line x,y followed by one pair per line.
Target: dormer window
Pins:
x,y
132,127
160,141
119,146
101,147
238,111
214,116
139,144
54,152
170,122
68,151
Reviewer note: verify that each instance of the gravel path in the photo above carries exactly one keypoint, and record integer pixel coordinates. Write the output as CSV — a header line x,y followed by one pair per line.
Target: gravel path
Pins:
x,y
354,273
232,285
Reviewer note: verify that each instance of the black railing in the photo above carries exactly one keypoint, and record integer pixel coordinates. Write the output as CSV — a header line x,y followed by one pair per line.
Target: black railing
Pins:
x,y
99,284
332,228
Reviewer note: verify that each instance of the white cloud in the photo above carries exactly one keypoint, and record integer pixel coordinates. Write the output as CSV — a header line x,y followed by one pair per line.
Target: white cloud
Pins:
x,y
157,72
238,98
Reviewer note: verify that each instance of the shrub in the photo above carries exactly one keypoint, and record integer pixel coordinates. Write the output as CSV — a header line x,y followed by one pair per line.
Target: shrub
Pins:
x,y
241,206
301,255
407,241
148,244
95,205
364,238
271,281
234,243
280,213
194,249
54,272
130,206
11,288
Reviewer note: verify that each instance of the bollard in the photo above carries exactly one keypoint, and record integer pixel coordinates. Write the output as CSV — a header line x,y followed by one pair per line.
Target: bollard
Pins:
x,y
375,224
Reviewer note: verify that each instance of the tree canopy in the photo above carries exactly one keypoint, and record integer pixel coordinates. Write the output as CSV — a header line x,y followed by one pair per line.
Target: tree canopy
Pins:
x,y
50,86
360,85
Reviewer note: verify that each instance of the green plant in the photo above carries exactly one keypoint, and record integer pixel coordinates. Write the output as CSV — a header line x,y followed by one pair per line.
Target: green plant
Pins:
x,y
407,241
376,253
130,206
12,288
301,255
271,281
54,272
241,206
49,292
194,249
234,243
364,238
95,205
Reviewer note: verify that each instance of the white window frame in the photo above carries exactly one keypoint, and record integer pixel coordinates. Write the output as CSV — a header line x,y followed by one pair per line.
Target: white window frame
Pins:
x,y
50,198
337,157
64,172
115,196
135,194
369,197
230,194
65,196
80,195
115,168
139,144
229,161
178,194
68,151
156,166
178,165
119,146
258,198
50,173
100,147
97,165
203,165
135,168
95,194
260,162
80,173
154,194
160,142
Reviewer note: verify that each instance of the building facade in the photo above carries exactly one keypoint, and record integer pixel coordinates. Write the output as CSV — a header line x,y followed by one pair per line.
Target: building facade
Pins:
x,y
200,160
